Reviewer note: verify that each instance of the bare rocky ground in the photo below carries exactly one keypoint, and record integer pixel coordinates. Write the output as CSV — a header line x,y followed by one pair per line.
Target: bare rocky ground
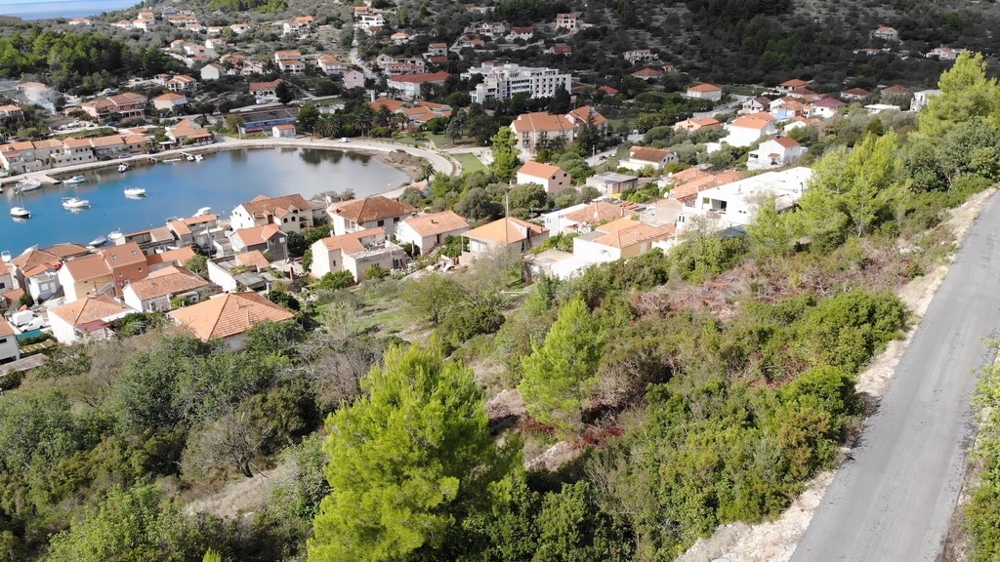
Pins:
x,y
775,541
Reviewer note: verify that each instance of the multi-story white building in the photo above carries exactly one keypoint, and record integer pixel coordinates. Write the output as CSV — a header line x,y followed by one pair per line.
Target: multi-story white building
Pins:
x,y
504,82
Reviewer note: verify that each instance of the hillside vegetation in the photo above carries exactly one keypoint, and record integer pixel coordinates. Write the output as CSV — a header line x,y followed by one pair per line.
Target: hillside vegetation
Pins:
x,y
684,390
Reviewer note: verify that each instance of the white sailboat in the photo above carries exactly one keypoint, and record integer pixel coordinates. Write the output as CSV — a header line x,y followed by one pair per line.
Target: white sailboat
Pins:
x,y
19,212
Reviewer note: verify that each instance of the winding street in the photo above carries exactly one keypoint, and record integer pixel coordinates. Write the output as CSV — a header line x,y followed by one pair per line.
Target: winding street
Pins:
x,y
894,500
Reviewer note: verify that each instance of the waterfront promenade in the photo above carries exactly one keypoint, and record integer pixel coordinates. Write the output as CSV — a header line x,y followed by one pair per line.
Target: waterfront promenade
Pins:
x,y
441,162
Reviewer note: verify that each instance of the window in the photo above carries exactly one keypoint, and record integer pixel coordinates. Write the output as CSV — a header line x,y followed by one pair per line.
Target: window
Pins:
x,y
381,223
3,340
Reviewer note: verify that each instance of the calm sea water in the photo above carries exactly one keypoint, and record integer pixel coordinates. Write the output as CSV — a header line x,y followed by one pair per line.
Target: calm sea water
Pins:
x,y
222,181
34,10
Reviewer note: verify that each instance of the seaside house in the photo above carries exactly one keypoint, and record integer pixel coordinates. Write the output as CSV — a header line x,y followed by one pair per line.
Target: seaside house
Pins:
x,y
228,316
249,271
748,129
537,129
127,263
695,124
87,319
182,83
290,213
169,102
428,231
585,216
734,204
202,231
283,131
408,85
160,289
35,270
331,65
267,238
6,278
368,213
9,350
355,252
618,239
187,132
85,276
265,90
507,232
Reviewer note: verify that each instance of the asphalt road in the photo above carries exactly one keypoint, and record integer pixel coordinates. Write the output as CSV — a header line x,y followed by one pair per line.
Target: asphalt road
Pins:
x,y
894,500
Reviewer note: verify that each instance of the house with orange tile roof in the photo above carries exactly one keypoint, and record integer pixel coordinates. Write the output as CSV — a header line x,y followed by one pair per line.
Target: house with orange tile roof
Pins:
x,y
329,64
748,129
85,276
127,263
161,287
388,103
534,130
695,124
177,257
9,350
855,94
169,102
35,270
6,278
228,317
734,205
642,157
203,230
775,153
504,233
429,230
648,74
291,213
689,183
789,85
553,178
266,238
367,213
618,239
585,216
709,92
86,319
408,85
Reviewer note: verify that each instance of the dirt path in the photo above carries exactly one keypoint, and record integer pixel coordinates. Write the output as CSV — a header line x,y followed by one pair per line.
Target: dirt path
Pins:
x,y
775,541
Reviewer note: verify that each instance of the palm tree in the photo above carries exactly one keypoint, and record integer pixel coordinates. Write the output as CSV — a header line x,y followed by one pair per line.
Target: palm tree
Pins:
x,y
426,170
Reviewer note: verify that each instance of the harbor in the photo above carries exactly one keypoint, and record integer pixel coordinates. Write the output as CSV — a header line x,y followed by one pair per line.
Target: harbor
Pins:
x,y
221,180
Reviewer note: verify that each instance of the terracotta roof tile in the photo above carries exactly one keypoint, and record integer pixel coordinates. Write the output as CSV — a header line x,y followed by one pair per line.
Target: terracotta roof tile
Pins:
x,y
350,242
626,232
539,169
90,309
436,223
598,212
370,209
229,314
506,231
542,121
167,282
89,267
648,154
704,88
262,206
124,255
254,259
179,256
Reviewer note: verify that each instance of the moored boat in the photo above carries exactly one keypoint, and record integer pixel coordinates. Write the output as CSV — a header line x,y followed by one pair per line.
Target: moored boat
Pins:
x,y
203,211
74,203
99,241
135,192
115,236
190,158
29,185
198,157
20,213
75,180
122,168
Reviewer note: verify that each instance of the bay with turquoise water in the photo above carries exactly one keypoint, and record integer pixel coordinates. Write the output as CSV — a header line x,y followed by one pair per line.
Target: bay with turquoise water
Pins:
x,y
221,181
35,10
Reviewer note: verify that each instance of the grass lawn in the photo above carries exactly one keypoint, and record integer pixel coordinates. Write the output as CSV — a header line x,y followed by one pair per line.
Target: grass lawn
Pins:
x,y
469,162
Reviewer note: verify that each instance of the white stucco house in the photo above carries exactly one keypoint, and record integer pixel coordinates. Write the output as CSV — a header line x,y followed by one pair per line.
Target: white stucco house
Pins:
x,y
553,178
774,153
748,129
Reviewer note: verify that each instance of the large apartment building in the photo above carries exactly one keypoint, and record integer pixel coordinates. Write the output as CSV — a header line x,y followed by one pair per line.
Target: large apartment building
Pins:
x,y
504,82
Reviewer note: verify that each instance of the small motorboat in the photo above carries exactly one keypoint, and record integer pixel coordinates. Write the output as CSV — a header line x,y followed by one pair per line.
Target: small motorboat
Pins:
x,y
203,211
20,213
190,158
198,157
99,241
135,192
5,256
28,185
115,236
75,180
122,168
171,160
74,203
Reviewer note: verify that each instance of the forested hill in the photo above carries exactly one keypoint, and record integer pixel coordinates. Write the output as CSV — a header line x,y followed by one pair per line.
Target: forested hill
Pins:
x,y
743,41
